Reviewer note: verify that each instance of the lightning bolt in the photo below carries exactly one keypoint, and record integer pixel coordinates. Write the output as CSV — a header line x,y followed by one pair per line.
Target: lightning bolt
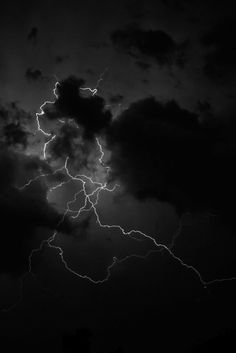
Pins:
x,y
41,176
90,205
40,114
95,89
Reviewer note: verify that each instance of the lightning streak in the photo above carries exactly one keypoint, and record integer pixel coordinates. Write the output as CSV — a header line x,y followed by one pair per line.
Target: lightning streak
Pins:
x,y
95,89
38,115
90,205
131,233
41,176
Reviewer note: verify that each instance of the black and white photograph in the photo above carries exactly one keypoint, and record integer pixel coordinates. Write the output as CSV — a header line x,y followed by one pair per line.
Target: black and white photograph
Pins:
x,y
117,176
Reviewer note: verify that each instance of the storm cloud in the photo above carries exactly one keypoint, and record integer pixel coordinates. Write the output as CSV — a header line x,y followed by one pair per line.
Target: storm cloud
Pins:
x,y
23,213
33,74
220,56
88,112
33,35
160,150
152,44
13,131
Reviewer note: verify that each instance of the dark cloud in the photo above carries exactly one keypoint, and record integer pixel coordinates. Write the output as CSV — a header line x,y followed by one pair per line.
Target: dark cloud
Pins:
x,y
70,143
26,216
14,134
154,44
205,236
116,99
159,150
12,125
90,72
33,34
206,114
219,42
88,112
33,74
61,58
143,65
23,212
11,112
64,144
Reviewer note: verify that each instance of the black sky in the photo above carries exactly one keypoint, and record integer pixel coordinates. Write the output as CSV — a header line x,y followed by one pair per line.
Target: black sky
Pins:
x,y
162,105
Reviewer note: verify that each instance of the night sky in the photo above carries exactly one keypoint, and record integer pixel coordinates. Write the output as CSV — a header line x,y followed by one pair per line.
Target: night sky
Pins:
x,y
117,176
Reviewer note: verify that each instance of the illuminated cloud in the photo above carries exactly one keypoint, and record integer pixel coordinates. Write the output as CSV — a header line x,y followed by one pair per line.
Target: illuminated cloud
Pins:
x,y
23,212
